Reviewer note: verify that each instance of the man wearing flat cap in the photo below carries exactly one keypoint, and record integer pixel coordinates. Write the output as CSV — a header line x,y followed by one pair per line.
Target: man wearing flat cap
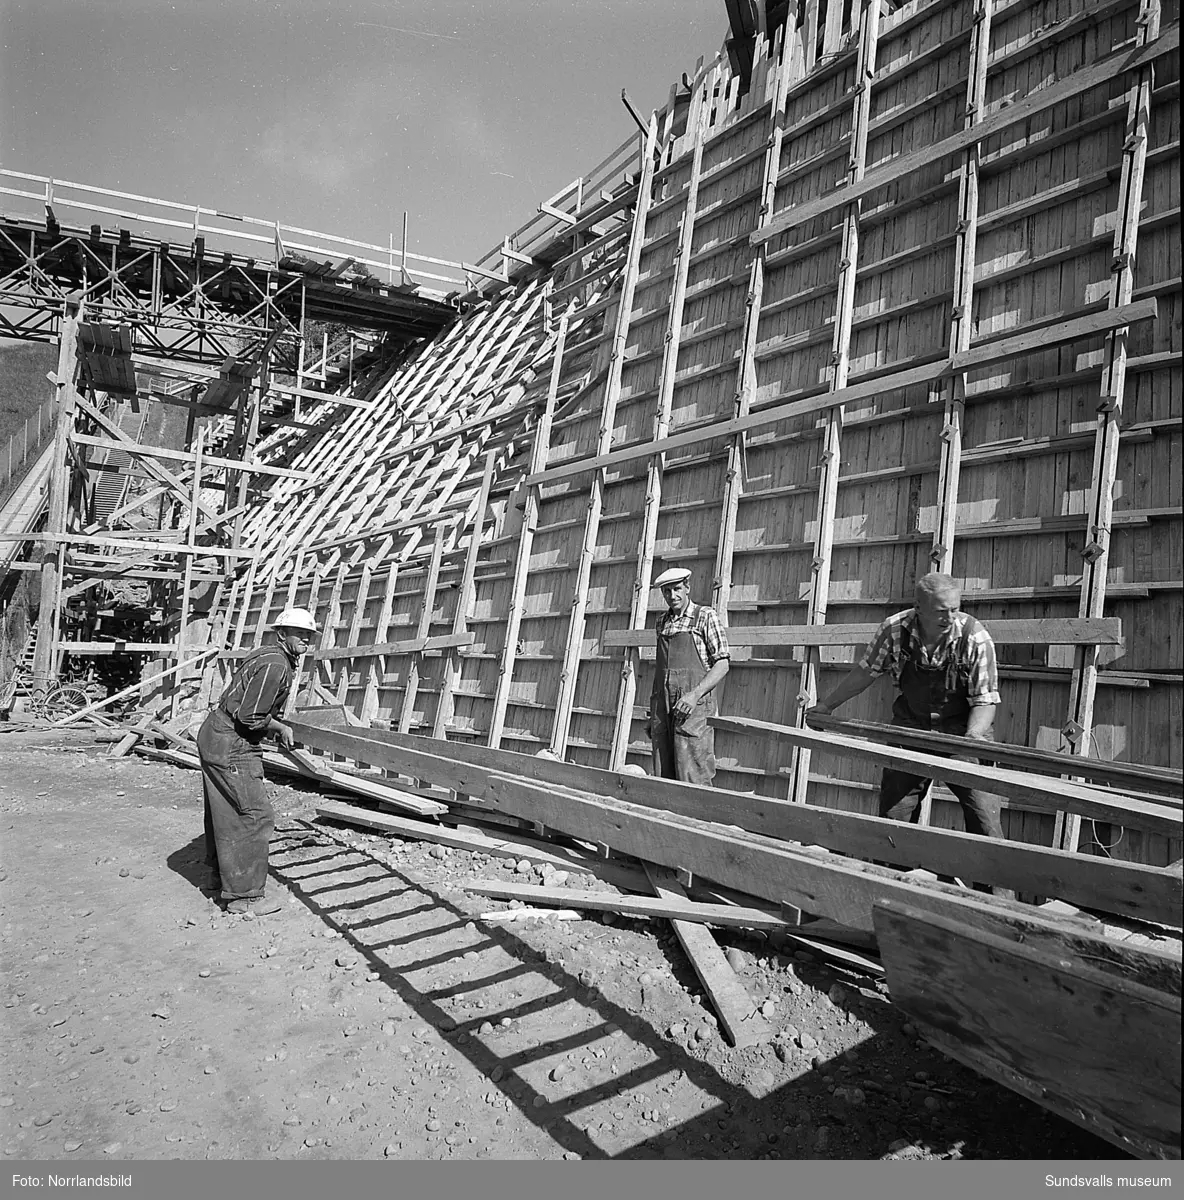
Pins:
x,y
238,816
693,658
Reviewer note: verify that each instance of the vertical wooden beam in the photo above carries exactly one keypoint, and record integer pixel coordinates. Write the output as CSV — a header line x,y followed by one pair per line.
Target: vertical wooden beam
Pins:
x,y
314,591
375,662
190,551
361,600
961,315
329,632
746,374
941,556
1078,728
53,561
425,625
627,691
530,518
612,394
828,485
464,602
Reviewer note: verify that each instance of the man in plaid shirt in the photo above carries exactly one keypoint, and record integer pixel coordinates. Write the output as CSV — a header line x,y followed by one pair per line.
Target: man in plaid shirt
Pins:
x,y
693,657
943,662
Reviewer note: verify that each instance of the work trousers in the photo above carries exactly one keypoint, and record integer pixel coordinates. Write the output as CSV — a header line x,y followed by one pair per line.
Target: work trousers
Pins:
x,y
239,821
901,791
682,749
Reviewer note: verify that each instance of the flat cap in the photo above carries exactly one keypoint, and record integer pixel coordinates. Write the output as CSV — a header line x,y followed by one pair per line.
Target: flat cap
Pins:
x,y
672,575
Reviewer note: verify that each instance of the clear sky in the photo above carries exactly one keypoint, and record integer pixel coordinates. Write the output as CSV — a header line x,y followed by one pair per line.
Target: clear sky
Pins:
x,y
340,114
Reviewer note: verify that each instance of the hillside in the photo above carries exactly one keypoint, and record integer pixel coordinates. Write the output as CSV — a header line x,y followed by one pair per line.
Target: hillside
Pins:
x,y
23,385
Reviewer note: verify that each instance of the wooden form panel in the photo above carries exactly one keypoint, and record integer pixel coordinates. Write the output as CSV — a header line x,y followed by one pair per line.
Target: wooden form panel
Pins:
x,y
723,300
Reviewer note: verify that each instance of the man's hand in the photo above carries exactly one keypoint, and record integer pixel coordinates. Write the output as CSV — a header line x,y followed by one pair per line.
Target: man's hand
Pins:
x,y
283,735
818,710
685,704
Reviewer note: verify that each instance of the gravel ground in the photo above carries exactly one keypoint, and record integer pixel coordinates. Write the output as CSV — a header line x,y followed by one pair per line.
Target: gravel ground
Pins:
x,y
379,1015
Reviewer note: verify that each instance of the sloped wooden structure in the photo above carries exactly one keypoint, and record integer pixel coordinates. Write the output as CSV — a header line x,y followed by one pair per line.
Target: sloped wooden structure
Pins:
x,y
882,291
911,300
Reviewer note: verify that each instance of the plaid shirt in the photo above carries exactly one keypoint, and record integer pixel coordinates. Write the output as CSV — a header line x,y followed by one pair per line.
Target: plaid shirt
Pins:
x,y
705,628
886,653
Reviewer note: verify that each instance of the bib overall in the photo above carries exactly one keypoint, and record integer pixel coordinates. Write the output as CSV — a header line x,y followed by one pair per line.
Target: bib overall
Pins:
x,y
934,697
683,747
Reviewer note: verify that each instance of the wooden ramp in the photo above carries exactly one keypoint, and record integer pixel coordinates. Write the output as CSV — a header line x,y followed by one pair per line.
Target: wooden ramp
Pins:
x,y
1092,1037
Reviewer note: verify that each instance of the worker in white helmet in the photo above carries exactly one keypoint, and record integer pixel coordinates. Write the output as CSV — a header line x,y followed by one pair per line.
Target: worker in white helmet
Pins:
x,y
239,818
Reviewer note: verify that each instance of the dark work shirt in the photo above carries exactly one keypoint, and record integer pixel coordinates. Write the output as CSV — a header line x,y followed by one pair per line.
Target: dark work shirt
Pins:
x,y
258,690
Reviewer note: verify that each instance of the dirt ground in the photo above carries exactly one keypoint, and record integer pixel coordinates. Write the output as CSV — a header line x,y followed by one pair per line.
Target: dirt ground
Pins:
x,y
377,1015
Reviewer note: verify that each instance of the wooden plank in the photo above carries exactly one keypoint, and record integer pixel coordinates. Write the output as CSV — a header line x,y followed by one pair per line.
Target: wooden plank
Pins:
x,y
639,604
572,651
511,849
361,600
727,916
1078,727
371,789
135,687
739,1017
1045,794
1040,101
58,492
1130,777
1075,329
440,641
1032,1014
961,309
1102,631
464,601
830,460
1133,889
746,376
406,711
530,516
140,450
814,881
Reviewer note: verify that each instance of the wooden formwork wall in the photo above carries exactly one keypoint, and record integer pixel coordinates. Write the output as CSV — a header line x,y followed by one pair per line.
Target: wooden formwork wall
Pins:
x,y
842,227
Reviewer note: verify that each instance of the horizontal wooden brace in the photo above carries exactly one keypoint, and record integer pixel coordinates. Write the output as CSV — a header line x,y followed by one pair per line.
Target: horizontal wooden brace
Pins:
x,y
411,646
1052,631
117,647
1040,101
978,356
207,460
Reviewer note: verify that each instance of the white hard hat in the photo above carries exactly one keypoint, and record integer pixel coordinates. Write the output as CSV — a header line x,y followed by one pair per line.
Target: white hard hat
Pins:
x,y
296,618
673,575
633,769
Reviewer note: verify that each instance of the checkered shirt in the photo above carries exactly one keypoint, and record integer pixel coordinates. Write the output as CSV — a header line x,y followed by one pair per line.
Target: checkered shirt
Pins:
x,y
706,630
886,653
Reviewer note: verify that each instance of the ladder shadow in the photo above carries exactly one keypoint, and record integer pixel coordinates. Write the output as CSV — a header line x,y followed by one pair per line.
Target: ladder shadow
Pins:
x,y
520,1074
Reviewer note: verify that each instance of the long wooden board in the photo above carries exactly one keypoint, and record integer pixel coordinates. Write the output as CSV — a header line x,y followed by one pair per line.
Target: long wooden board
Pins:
x,y
1052,631
1132,777
1099,1050
1131,889
739,1017
665,908
1045,794
817,882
